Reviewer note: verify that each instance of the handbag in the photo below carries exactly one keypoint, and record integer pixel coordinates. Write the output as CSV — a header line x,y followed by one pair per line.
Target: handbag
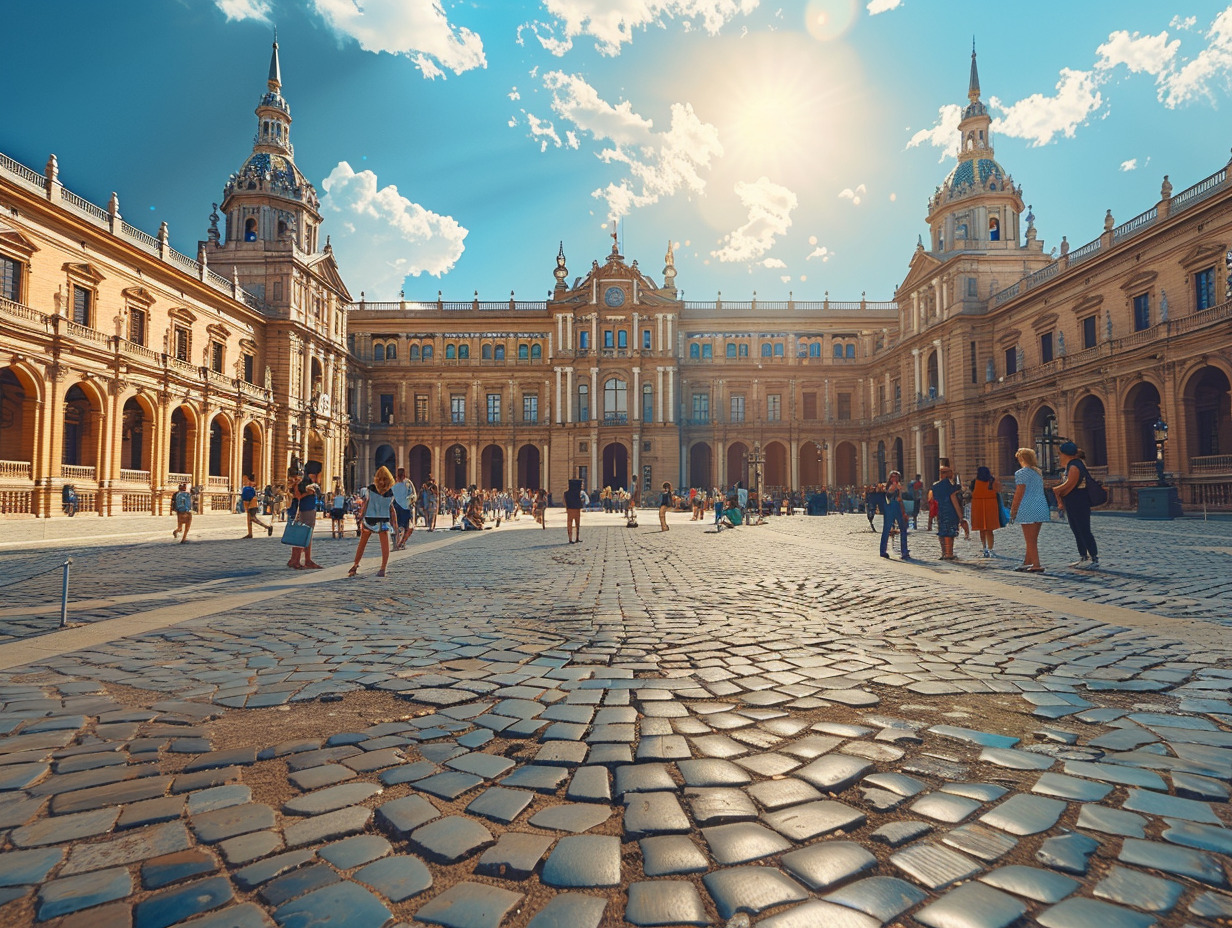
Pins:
x,y
297,534
1003,514
1097,494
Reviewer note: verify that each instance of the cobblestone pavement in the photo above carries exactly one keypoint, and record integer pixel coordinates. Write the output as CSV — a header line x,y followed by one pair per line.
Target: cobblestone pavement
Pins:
x,y
768,726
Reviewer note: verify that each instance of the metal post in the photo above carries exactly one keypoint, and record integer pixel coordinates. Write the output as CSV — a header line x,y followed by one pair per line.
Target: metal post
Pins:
x,y
64,594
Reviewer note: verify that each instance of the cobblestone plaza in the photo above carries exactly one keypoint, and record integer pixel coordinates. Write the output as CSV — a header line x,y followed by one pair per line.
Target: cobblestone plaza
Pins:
x,y
767,726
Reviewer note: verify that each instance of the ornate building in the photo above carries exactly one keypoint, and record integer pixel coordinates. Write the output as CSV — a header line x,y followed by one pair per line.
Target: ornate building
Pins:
x,y
127,367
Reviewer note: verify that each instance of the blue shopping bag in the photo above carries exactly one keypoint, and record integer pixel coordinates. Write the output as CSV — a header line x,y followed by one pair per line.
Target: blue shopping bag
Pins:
x,y
297,534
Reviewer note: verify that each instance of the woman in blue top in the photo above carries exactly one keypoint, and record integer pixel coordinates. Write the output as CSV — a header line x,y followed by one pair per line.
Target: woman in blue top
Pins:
x,y
375,515
894,515
1029,507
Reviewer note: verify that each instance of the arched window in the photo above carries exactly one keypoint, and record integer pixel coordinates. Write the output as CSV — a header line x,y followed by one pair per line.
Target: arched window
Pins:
x,y
814,349
536,352
378,352
778,349
994,230
647,403
486,352
391,352
707,350
250,229
744,351
464,351
695,350
451,352
767,350
414,353
500,352
427,352
731,349
523,352
622,338
838,351
615,399
583,402
851,351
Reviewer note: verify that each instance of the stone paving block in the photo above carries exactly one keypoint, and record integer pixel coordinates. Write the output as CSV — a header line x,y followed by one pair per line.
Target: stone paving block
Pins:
x,y
1067,787
883,897
1111,821
514,856
583,861
340,905
469,905
944,807
355,851
172,868
451,839
609,755
743,842
172,906
402,816
1161,804
653,813
1139,890
1211,905
768,764
589,784
449,785
535,777
70,894
1067,852
218,797
65,828
337,824
833,773
1031,883
1112,773
1202,837
26,867
665,902
1078,912
128,848
779,794
719,746
561,754
261,872
669,855
244,849
397,878
324,775
898,783
572,817
1181,861
375,760
826,864
721,806
112,915
751,889
1024,814
896,834
203,779
405,773
234,757
570,910
815,913
972,905
220,824
981,792
980,841
934,866
811,819
500,804
643,778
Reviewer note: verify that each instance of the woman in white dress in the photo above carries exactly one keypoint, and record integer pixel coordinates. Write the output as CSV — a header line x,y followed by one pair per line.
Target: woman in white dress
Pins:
x,y
1029,507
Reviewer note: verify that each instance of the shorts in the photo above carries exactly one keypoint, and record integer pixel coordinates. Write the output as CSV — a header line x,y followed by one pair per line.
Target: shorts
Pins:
x,y
337,514
377,525
307,516
404,516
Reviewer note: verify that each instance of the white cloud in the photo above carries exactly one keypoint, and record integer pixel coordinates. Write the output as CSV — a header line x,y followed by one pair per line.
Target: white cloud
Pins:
x,y
773,263
770,206
1187,23
855,196
1129,165
1198,77
785,278
418,29
542,130
381,237
1152,54
882,6
820,253
1038,118
943,134
658,164
239,10
611,23
514,95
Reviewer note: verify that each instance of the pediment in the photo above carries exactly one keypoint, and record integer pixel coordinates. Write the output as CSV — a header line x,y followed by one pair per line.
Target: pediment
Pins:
x,y
1044,322
1010,337
13,240
1140,280
84,272
326,267
1088,304
1204,253
921,269
138,295
182,314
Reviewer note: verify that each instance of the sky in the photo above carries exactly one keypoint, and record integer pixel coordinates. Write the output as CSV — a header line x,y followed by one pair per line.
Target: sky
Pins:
x,y
784,147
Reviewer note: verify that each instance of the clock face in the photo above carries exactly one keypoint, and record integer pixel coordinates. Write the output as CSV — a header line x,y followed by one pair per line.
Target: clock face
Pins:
x,y
614,296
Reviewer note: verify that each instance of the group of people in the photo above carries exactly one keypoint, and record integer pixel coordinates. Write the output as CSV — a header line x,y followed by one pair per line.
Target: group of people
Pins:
x,y
946,503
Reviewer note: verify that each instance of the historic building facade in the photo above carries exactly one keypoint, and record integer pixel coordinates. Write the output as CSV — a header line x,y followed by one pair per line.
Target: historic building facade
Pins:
x,y
126,367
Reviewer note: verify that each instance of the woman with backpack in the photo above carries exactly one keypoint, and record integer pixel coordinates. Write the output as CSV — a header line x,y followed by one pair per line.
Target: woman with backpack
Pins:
x,y
1073,496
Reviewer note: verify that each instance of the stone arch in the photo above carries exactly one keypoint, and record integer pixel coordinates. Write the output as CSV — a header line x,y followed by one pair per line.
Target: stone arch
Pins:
x,y
737,454
1208,412
252,452
83,412
492,468
182,443
457,460
616,466
701,465
529,474
812,464
1140,410
137,428
774,471
20,404
1091,430
221,434
385,456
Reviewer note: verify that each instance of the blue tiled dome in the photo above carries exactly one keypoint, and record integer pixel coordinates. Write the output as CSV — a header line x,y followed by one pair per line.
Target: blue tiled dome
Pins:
x,y
964,174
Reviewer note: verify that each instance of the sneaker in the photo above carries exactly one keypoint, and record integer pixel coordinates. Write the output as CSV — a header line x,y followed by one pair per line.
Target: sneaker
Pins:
x,y
1081,563
1094,565
886,556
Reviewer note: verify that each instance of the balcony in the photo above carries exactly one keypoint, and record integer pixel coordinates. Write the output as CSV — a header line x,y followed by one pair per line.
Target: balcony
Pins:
x,y
1211,465
615,418
20,470
135,476
77,472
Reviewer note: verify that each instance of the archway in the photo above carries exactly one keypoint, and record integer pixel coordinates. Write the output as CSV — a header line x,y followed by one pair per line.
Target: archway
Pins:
x,y
180,442
456,462
1209,413
1007,446
774,471
82,419
900,456
700,460
1043,425
931,465
492,468
881,462
385,457
419,464
616,466
135,444
352,466
812,465
528,468
933,383
220,447
1141,413
251,454
845,474
18,415
1090,430
737,464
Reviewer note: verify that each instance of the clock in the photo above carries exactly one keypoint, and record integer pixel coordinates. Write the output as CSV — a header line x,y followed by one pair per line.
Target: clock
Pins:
x,y
614,296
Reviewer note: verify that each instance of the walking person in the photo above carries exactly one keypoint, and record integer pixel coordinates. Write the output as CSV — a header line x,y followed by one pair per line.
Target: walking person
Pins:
x,y
252,506
429,499
665,503
337,511
948,497
540,510
376,516
573,511
1029,508
917,499
1072,498
404,503
305,495
986,508
182,506
894,515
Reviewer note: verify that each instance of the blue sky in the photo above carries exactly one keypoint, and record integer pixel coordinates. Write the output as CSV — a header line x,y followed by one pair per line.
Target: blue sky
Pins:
x,y
782,146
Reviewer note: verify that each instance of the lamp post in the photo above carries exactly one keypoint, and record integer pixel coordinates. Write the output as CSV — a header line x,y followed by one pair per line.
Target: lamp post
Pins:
x,y
1161,439
756,460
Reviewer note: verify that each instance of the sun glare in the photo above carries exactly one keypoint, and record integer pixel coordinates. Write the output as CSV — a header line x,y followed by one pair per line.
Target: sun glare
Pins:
x,y
827,20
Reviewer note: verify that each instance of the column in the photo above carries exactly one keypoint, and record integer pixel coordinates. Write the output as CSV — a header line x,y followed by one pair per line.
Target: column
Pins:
x,y
795,464
596,478
634,459
864,475
940,368
511,466
569,392
915,310
594,331
943,450
559,418
918,443
659,339
659,388
720,463
568,343
636,399
915,356
671,395
594,394
829,478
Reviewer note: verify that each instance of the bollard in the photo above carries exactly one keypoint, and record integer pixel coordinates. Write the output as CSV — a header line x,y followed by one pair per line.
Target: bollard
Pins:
x,y
64,595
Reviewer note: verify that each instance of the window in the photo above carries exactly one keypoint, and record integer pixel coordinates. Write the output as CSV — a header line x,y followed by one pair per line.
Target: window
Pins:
x,y
250,364
701,408
695,351
216,357
464,352
583,340
881,399
707,351
457,408
378,352
647,403
972,287
136,325
536,352
731,349
838,351
975,366
774,407
810,406
82,304
485,353
1011,361
1046,347
583,402
844,407
181,346
387,408
10,279
391,351
530,407
1204,288
778,349
1088,332
615,400
646,339
737,408
451,352
427,352
607,339
1142,312
500,352
814,349
494,408
421,409
622,338
898,396
851,352
767,350
523,352
744,351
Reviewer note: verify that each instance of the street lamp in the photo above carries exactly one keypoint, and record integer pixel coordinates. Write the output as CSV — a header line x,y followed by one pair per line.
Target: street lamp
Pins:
x,y
1161,439
756,459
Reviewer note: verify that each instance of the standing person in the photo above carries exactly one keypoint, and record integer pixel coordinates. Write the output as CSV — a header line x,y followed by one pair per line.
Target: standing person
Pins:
x,y
540,510
182,506
894,515
917,499
986,507
376,515
874,499
573,511
1029,508
404,501
337,511
665,502
252,506
429,499
948,497
1072,498
305,495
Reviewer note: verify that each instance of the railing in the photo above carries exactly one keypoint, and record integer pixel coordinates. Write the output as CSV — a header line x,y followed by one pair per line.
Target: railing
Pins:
x,y
145,241
1135,225
613,418
793,305
85,207
1199,191
1142,470
220,380
135,476
1201,318
16,502
23,173
185,368
139,351
218,483
1078,255
85,332
420,306
183,261
136,502
1211,464
20,470
222,283
77,472
177,479
20,311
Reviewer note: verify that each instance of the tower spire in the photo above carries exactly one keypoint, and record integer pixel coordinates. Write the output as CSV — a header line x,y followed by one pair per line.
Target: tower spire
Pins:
x,y
973,90
275,72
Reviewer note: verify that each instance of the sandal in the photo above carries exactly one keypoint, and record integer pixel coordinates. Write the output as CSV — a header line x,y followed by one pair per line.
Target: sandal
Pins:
x,y
353,571
1035,570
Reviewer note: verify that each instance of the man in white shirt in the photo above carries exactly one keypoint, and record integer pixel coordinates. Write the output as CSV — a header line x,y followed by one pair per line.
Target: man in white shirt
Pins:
x,y
404,506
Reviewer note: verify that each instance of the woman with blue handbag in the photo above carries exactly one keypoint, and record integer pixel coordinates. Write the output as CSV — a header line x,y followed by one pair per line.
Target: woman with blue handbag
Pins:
x,y
304,502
